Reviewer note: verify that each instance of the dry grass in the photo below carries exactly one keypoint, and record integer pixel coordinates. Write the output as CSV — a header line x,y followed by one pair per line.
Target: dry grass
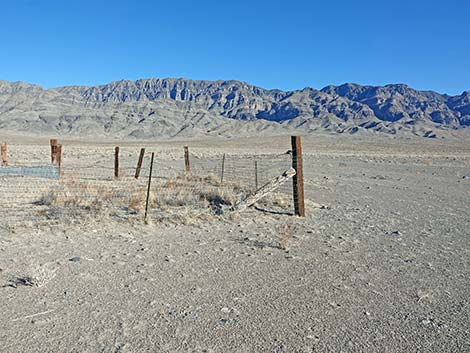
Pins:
x,y
286,235
188,199
199,192
277,200
77,198
137,199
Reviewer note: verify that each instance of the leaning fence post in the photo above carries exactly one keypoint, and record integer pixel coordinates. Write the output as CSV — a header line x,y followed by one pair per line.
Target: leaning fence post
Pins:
x,y
139,163
298,180
4,155
223,168
53,150
186,159
116,162
148,188
263,191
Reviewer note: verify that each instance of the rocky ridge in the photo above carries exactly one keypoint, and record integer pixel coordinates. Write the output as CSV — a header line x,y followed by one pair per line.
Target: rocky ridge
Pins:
x,y
166,108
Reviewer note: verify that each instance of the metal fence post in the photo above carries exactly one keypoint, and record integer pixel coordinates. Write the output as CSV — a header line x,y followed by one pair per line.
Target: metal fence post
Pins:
x,y
298,180
148,188
256,175
116,162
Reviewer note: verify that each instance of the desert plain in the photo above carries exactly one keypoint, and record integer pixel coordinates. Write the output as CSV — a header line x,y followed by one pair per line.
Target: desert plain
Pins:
x,y
380,263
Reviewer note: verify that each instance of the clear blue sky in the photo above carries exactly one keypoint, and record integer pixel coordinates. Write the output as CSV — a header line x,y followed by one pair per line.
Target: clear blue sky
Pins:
x,y
274,44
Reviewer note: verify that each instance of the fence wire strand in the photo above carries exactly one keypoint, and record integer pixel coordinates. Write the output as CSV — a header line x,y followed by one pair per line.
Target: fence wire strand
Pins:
x,y
31,191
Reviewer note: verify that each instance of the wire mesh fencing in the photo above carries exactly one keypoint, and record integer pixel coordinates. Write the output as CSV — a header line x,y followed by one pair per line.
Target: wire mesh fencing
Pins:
x,y
90,186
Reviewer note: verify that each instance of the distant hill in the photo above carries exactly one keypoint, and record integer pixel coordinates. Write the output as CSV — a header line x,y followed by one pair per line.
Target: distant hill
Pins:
x,y
165,108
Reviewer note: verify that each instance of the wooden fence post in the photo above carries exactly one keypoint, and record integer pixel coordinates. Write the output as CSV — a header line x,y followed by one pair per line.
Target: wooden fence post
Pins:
x,y
223,168
116,162
298,180
139,163
53,150
186,159
4,155
58,158
148,188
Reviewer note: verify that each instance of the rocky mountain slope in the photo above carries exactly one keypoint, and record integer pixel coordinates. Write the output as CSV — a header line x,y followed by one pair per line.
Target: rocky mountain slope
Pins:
x,y
164,108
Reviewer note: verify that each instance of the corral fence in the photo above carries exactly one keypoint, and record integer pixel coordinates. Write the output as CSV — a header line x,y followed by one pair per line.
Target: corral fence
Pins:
x,y
75,184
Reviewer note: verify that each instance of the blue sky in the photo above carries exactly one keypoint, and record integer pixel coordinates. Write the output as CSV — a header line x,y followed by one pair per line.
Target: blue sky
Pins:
x,y
273,44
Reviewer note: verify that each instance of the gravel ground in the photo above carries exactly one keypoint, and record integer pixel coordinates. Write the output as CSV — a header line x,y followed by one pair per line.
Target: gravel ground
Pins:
x,y
382,266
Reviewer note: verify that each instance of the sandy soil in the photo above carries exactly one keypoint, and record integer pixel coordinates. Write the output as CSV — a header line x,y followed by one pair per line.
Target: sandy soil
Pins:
x,y
384,267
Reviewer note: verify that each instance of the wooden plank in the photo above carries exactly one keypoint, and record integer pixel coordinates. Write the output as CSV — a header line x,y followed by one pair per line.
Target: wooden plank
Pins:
x,y
264,190
298,181
4,155
53,143
186,159
148,188
116,162
139,163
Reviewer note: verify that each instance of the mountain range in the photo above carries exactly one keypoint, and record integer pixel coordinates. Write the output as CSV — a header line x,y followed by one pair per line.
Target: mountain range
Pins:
x,y
167,108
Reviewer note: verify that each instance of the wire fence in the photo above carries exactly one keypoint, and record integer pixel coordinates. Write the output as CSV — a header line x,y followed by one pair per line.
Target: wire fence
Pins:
x,y
85,187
